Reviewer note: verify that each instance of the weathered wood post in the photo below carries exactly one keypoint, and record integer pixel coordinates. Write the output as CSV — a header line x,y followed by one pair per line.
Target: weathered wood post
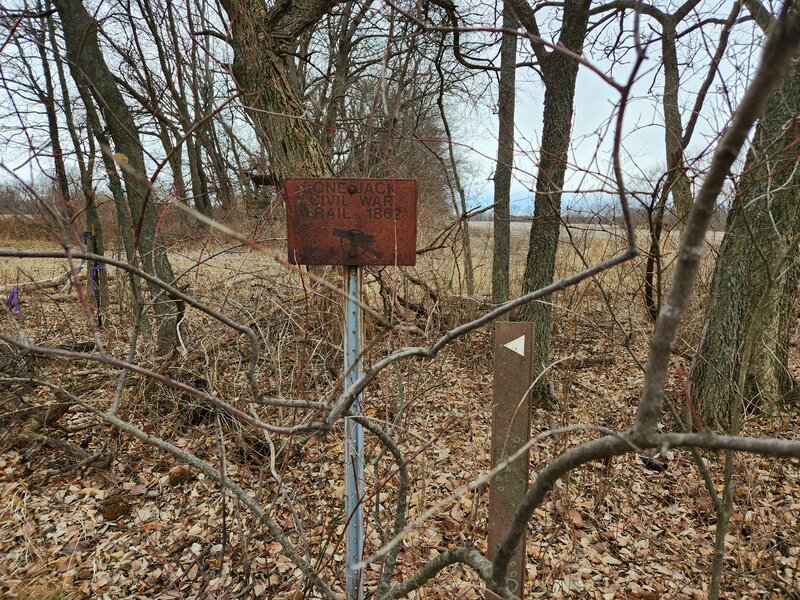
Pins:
x,y
511,424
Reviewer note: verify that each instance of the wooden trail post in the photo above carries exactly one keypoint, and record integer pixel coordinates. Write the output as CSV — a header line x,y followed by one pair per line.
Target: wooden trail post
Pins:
x,y
511,425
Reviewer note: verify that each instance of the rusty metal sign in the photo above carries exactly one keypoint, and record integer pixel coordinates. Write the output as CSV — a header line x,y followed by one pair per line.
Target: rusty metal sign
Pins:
x,y
511,424
351,221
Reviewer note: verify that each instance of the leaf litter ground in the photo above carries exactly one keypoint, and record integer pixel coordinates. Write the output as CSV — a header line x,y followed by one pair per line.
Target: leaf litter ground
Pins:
x,y
147,527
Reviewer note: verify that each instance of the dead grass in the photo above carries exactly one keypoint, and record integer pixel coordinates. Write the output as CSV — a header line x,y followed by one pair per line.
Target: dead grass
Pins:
x,y
19,231
45,593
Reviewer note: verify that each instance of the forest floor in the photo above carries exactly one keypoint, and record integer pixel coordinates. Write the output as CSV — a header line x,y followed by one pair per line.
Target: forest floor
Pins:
x,y
144,526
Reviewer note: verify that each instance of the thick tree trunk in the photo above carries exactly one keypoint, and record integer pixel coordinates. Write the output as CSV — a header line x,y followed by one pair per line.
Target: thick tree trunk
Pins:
x,y
559,74
89,68
742,360
262,38
505,159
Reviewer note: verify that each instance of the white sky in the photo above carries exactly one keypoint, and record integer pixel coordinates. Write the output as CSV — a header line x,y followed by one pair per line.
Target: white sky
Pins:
x,y
476,127
595,105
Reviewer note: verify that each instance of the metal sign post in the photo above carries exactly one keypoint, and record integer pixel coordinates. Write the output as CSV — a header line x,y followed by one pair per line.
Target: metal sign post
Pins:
x,y
352,222
353,436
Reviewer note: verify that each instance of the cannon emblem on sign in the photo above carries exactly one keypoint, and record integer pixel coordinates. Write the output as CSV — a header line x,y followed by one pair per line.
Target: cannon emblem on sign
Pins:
x,y
354,241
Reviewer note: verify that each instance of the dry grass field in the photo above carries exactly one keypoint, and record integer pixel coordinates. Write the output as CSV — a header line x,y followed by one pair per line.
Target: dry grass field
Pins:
x,y
140,525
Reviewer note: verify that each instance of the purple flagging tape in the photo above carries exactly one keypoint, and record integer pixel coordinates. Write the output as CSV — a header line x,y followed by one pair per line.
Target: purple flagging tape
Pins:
x,y
13,300
96,276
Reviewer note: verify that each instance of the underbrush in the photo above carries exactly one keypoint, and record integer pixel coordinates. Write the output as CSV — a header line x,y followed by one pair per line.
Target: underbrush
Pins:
x,y
101,513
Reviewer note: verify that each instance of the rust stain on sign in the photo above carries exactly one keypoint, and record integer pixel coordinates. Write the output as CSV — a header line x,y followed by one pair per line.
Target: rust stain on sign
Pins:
x,y
351,221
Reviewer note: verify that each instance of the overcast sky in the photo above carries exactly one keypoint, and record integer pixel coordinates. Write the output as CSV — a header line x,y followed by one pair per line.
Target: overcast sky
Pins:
x,y
475,125
595,101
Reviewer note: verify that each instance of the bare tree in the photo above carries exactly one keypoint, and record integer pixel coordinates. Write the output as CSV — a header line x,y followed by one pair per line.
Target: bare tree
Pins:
x,y
559,73
506,92
251,407
261,68
675,181
742,362
89,69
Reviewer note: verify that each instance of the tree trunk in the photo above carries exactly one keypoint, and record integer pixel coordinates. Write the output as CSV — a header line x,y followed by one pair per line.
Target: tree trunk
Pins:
x,y
262,38
222,183
48,100
742,360
175,160
153,102
88,66
466,240
505,159
85,166
197,176
559,74
461,206
203,92
676,181
339,73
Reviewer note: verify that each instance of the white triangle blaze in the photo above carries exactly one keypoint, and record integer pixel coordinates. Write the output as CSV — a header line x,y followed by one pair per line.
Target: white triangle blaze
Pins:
x,y
517,345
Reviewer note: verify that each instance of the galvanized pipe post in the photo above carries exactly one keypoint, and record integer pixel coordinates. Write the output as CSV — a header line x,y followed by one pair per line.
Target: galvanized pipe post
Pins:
x,y
353,436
